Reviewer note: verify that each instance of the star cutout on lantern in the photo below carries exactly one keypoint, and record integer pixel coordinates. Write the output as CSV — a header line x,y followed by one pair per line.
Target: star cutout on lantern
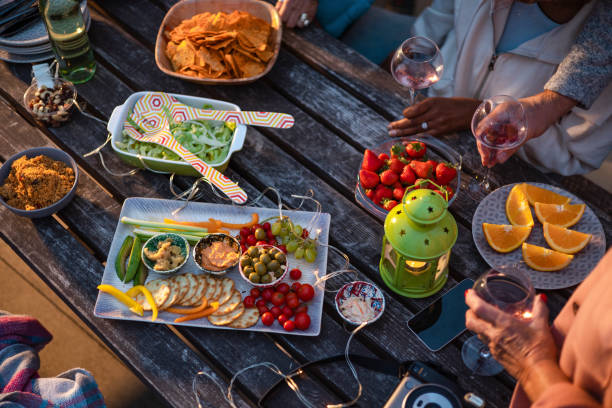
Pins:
x,y
426,241
413,198
446,230
403,232
430,209
399,212
432,193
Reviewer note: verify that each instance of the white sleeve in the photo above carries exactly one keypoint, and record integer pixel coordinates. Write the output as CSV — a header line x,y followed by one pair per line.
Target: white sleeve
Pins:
x,y
435,21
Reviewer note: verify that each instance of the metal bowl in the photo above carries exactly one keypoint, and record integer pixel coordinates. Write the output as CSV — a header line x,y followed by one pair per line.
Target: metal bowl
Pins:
x,y
151,244
54,154
208,240
367,291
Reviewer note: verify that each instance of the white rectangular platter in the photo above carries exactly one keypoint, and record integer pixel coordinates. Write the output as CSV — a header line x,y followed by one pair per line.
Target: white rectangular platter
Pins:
x,y
151,209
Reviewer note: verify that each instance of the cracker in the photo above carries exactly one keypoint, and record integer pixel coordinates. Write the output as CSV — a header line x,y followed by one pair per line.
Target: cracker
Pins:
x,y
212,287
215,296
227,318
193,286
199,294
183,283
159,290
230,305
172,296
249,318
227,289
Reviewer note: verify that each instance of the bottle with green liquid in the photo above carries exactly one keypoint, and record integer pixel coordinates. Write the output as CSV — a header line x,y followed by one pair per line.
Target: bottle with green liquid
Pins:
x,y
68,35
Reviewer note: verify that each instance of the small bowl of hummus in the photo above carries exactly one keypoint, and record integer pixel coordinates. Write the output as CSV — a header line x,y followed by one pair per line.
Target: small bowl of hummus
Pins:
x,y
359,302
165,253
217,253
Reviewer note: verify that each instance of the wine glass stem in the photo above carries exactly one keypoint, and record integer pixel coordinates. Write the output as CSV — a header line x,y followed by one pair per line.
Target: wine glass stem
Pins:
x,y
411,96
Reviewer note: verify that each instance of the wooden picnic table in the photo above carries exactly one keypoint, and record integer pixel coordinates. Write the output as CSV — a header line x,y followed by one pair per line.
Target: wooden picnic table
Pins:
x,y
342,104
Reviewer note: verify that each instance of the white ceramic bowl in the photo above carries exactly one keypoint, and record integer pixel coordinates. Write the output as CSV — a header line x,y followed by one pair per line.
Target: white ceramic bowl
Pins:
x,y
274,282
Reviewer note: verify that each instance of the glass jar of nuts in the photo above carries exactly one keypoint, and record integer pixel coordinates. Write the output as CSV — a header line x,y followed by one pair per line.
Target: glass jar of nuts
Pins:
x,y
51,106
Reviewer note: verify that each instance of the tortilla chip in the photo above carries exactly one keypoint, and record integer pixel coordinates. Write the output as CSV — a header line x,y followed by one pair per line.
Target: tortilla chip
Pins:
x,y
184,55
247,66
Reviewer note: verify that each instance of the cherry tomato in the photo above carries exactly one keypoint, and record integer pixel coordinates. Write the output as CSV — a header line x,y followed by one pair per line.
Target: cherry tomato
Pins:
x,y
267,294
282,248
291,295
282,319
261,243
306,292
266,226
278,299
267,318
276,311
295,274
270,235
304,233
272,242
302,308
289,325
287,311
260,303
249,301
262,310
244,232
255,293
251,240
282,288
295,286
292,302
302,321
254,227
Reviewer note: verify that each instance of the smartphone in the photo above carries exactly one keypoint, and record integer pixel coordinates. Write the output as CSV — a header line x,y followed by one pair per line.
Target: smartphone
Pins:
x,y
439,323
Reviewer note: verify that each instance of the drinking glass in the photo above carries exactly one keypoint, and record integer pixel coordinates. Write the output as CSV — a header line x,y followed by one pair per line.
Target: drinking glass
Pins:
x,y
510,290
417,64
498,124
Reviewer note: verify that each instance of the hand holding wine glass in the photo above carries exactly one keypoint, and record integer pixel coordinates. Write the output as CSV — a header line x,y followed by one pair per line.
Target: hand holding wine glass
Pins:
x,y
515,343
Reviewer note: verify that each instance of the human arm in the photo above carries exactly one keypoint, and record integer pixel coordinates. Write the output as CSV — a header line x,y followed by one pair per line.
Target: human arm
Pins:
x,y
443,115
527,350
587,69
291,10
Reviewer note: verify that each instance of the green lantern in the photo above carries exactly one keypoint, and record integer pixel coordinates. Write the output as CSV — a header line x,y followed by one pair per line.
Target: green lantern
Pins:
x,y
419,235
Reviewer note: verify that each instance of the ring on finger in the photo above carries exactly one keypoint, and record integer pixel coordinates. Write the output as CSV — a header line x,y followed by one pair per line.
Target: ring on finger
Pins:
x,y
424,126
304,19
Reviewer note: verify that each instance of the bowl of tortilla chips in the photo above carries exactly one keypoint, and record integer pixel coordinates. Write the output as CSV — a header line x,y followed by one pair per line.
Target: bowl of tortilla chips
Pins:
x,y
216,42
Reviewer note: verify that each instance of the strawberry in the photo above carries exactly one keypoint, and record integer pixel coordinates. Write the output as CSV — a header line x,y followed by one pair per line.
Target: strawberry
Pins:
x,y
433,163
369,193
381,193
444,191
421,169
368,179
371,161
389,204
422,183
407,176
398,193
397,184
396,151
388,177
396,166
383,157
416,149
445,173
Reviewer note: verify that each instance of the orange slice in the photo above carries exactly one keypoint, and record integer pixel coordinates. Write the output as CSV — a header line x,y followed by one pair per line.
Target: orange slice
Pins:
x,y
505,238
541,195
544,259
517,208
565,240
563,215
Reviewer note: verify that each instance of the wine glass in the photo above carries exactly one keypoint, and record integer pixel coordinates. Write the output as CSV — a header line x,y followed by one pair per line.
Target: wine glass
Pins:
x,y
499,124
509,289
417,64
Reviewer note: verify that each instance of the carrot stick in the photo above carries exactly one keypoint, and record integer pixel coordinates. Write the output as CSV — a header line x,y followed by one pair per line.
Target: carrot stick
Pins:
x,y
254,220
190,310
214,225
206,312
202,224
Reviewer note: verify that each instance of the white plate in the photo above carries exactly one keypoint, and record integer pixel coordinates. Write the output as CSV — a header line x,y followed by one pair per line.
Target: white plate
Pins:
x,y
156,210
35,34
493,210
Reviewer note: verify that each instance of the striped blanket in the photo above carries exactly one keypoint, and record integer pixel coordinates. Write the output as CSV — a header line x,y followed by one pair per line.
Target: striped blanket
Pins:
x,y
21,338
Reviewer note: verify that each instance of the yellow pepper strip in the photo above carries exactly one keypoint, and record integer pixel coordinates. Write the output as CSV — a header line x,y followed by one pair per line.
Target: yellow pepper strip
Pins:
x,y
190,310
123,298
206,312
142,289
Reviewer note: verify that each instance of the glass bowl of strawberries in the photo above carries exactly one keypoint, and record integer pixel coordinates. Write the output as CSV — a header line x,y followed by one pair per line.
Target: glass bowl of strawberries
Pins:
x,y
401,164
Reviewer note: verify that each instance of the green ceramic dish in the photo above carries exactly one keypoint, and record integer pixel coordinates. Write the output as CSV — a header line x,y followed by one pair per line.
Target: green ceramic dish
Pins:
x,y
151,245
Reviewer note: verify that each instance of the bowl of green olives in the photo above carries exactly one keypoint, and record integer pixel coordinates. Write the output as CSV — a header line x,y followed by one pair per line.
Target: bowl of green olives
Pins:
x,y
263,265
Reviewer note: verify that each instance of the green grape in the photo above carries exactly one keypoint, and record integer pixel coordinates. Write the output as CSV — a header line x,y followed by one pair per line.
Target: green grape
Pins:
x,y
297,230
276,227
310,255
299,253
283,232
292,246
